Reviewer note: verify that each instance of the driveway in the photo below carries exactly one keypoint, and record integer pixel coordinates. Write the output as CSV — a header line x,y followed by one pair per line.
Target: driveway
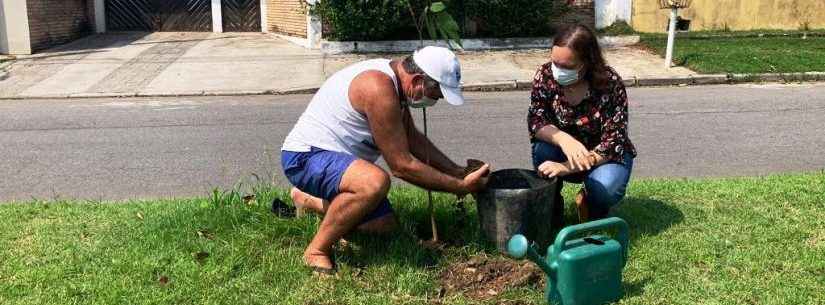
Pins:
x,y
164,63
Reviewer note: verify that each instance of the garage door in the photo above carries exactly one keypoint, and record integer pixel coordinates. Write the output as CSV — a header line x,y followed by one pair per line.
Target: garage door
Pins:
x,y
241,15
159,15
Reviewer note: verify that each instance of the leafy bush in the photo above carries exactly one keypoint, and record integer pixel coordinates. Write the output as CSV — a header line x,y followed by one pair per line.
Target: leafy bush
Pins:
x,y
513,18
391,19
366,19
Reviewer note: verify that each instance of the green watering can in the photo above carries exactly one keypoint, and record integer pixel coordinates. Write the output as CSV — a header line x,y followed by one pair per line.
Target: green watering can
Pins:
x,y
584,271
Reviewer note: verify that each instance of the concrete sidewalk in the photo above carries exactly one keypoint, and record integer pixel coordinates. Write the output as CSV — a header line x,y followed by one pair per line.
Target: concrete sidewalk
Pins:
x,y
164,64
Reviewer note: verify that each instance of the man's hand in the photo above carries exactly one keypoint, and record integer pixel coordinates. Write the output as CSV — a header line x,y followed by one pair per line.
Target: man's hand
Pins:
x,y
476,181
552,169
577,154
472,165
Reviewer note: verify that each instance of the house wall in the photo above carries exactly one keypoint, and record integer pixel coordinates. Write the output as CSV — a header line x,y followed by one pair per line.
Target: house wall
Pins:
x,y
53,22
287,17
735,15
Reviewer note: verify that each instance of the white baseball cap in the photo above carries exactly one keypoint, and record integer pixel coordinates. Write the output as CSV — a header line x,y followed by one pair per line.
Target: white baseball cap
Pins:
x,y
442,65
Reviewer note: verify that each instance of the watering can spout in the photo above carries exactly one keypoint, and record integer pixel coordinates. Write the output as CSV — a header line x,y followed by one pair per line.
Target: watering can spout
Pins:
x,y
519,247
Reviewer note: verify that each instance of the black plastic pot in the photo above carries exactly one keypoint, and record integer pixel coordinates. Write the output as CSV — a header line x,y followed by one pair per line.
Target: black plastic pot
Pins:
x,y
518,201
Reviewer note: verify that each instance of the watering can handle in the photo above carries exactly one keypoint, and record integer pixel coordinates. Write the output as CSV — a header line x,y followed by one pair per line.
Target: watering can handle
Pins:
x,y
607,223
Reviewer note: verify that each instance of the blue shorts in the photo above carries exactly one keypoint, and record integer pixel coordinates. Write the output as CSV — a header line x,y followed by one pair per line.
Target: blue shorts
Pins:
x,y
318,172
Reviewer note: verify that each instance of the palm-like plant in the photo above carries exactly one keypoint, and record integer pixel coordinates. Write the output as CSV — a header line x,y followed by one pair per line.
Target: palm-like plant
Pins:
x,y
438,23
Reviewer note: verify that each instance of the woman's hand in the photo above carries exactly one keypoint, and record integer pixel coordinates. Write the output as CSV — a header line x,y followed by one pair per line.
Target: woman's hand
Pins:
x,y
552,169
577,154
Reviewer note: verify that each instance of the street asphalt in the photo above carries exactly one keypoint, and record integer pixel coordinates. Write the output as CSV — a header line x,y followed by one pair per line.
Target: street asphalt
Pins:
x,y
139,148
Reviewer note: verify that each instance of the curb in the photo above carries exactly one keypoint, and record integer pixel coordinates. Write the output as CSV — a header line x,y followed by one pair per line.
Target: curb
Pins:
x,y
4,67
470,44
507,85
289,91
692,80
776,77
721,79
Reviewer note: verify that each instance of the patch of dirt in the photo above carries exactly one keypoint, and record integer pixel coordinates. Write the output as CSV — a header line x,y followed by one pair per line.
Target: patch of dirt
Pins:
x,y
482,278
446,240
643,47
817,240
449,236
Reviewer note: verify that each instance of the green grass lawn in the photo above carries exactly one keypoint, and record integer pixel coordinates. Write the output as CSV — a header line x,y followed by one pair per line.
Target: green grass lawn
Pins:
x,y
741,53
716,241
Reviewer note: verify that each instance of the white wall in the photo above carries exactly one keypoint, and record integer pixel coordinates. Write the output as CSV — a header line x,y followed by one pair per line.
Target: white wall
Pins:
x,y
14,28
217,17
624,10
264,12
610,11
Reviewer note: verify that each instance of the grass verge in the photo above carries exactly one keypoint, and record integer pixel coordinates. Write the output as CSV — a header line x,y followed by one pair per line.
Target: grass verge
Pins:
x,y
744,52
715,241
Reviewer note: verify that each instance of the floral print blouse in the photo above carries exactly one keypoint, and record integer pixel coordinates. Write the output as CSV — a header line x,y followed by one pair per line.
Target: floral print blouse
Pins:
x,y
599,122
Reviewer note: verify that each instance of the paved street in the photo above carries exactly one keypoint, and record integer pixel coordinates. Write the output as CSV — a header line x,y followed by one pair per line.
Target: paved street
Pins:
x,y
178,147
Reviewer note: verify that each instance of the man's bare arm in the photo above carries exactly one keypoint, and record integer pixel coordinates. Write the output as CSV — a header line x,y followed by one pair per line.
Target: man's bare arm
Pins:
x,y
374,94
424,149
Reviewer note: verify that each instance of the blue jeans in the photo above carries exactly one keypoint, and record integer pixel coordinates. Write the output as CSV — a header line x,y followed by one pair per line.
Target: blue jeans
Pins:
x,y
605,185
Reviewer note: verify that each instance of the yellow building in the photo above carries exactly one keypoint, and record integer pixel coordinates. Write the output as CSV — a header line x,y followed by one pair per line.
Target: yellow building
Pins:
x,y
735,15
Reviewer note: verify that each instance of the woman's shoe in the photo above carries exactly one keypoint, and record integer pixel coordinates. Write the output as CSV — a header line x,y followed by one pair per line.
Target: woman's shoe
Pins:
x,y
581,206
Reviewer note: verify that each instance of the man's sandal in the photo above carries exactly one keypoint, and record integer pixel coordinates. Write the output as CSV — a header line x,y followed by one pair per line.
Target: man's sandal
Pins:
x,y
321,271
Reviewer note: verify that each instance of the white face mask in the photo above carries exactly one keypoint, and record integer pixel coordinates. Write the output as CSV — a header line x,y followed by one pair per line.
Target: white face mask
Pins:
x,y
564,76
424,101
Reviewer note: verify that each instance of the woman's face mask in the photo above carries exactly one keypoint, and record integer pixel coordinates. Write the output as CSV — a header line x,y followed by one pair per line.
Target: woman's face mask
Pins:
x,y
564,77
563,59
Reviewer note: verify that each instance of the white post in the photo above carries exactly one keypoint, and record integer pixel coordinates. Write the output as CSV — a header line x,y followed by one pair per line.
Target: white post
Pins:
x,y
264,23
100,16
314,29
14,23
671,36
217,18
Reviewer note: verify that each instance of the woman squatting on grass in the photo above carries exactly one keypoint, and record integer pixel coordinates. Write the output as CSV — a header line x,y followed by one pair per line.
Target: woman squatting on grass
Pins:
x,y
578,122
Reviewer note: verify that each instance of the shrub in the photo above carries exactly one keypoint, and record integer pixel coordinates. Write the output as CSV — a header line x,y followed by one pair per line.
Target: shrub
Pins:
x,y
391,19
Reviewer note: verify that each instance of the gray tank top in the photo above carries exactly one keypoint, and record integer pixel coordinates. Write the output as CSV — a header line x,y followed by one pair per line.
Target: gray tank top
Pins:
x,y
331,123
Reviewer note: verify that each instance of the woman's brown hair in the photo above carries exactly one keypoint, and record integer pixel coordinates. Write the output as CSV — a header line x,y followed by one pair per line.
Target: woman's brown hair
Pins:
x,y
584,44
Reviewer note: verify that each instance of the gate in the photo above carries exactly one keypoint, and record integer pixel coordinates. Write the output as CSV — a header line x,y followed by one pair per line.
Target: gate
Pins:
x,y
159,15
241,15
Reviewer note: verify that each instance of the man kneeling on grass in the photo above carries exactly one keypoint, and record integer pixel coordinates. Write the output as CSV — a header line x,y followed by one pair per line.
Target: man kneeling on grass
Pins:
x,y
360,113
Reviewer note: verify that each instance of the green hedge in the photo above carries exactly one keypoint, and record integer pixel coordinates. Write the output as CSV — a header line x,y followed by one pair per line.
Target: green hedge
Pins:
x,y
391,19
